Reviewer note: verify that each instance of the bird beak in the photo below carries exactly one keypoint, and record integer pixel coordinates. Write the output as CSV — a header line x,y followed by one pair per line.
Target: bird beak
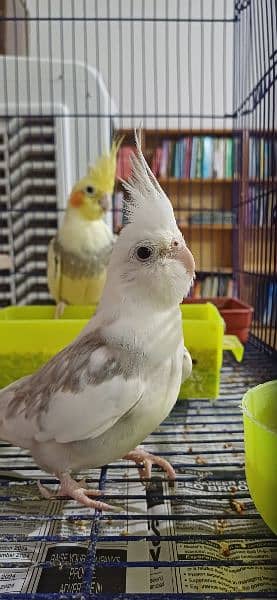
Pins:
x,y
105,202
184,255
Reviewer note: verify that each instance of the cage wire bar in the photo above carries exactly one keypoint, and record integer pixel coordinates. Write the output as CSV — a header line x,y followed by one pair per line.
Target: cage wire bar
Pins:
x,y
74,73
255,115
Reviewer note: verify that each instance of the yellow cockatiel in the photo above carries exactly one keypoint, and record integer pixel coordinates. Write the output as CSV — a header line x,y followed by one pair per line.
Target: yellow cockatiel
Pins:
x,y
79,253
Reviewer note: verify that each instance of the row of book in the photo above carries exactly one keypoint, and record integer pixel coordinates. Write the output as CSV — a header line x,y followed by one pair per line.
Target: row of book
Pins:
x,y
212,286
269,316
211,217
194,157
123,163
262,158
261,208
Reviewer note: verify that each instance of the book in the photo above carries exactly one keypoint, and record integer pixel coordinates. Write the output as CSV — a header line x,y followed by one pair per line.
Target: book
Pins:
x,y
194,152
123,164
164,158
187,157
229,287
175,166
171,157
207,160
269,312
198,169
214,286
181,157
218,158
207,287
262,163
156,161
228,157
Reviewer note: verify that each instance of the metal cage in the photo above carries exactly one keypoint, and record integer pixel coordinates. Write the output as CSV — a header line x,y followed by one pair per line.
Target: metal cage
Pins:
x,y
73,72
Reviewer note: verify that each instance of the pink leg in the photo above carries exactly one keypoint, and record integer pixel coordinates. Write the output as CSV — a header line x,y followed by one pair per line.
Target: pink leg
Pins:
x,y
140,456
75,490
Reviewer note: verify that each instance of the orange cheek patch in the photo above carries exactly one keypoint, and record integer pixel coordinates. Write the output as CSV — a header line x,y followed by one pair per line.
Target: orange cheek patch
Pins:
x,y
77,199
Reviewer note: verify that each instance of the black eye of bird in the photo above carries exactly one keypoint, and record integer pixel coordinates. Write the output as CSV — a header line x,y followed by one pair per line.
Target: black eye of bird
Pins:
x,y
144,252
89,190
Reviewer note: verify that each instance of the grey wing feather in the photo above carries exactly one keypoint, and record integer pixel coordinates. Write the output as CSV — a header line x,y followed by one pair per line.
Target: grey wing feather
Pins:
x,y
80,392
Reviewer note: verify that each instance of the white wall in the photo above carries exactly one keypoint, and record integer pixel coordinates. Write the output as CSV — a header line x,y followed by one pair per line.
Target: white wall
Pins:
x,y
160,68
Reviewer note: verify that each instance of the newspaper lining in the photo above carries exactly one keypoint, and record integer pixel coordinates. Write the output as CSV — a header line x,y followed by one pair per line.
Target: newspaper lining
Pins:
x,y
206,444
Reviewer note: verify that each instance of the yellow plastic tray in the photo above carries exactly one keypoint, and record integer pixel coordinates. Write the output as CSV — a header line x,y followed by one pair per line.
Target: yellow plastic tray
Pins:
x,y
29,336
259,407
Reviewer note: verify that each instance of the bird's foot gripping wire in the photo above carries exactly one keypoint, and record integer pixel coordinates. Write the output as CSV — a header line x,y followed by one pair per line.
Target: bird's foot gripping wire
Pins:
x,y
144,460
76,490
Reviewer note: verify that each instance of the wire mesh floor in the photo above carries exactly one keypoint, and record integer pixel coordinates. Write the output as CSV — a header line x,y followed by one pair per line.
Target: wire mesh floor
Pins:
x,y
201,539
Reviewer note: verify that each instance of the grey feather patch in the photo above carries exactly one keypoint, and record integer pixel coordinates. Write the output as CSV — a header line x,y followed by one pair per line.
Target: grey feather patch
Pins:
x,y
86,265
72,370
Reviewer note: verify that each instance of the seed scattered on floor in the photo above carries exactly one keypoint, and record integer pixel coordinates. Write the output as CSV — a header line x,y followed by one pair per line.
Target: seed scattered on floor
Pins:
x,y
200,460
221,526
237,505
225,549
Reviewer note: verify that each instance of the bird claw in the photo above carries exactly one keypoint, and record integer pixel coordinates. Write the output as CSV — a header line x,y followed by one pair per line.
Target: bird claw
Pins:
x,y
45,492
76,491
139,456
82,496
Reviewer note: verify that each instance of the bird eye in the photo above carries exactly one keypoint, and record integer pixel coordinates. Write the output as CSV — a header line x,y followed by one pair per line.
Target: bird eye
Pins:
x,y
89,190
144,252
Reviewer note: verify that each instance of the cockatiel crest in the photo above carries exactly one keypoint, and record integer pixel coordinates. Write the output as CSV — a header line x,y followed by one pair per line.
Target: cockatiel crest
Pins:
x,y
102,174
147,202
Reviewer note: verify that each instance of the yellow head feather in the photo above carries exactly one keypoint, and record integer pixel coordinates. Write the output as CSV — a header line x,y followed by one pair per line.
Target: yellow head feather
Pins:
x,y
102,174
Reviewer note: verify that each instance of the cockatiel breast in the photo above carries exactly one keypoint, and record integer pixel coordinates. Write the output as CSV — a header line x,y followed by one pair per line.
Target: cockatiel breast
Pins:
x,y
77,261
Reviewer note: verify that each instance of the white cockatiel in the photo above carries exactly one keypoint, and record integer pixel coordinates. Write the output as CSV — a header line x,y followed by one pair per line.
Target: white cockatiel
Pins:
x,y
97,399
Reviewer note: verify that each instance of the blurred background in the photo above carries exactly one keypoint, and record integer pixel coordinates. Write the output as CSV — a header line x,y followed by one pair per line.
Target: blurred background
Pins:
x,y
198,77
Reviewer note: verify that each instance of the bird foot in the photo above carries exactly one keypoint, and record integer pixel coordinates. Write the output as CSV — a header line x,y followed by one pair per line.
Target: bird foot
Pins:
x,y
77,491
59,310
139,456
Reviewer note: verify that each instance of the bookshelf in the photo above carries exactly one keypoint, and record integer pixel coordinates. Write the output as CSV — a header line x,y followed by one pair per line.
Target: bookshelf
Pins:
x,y
257,233
202,204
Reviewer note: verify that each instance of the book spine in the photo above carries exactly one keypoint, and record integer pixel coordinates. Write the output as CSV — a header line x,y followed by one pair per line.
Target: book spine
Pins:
x,y
187,159
228,157
194,157
198,171
262,162
164,159
207,162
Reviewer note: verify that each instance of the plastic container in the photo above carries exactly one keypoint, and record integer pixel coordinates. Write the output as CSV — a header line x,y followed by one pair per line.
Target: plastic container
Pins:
x,y
203,330
260,438
29,336
236,314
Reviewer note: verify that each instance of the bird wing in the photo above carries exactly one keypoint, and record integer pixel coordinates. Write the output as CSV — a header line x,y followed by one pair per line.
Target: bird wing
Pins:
x,y
79,394
54,270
